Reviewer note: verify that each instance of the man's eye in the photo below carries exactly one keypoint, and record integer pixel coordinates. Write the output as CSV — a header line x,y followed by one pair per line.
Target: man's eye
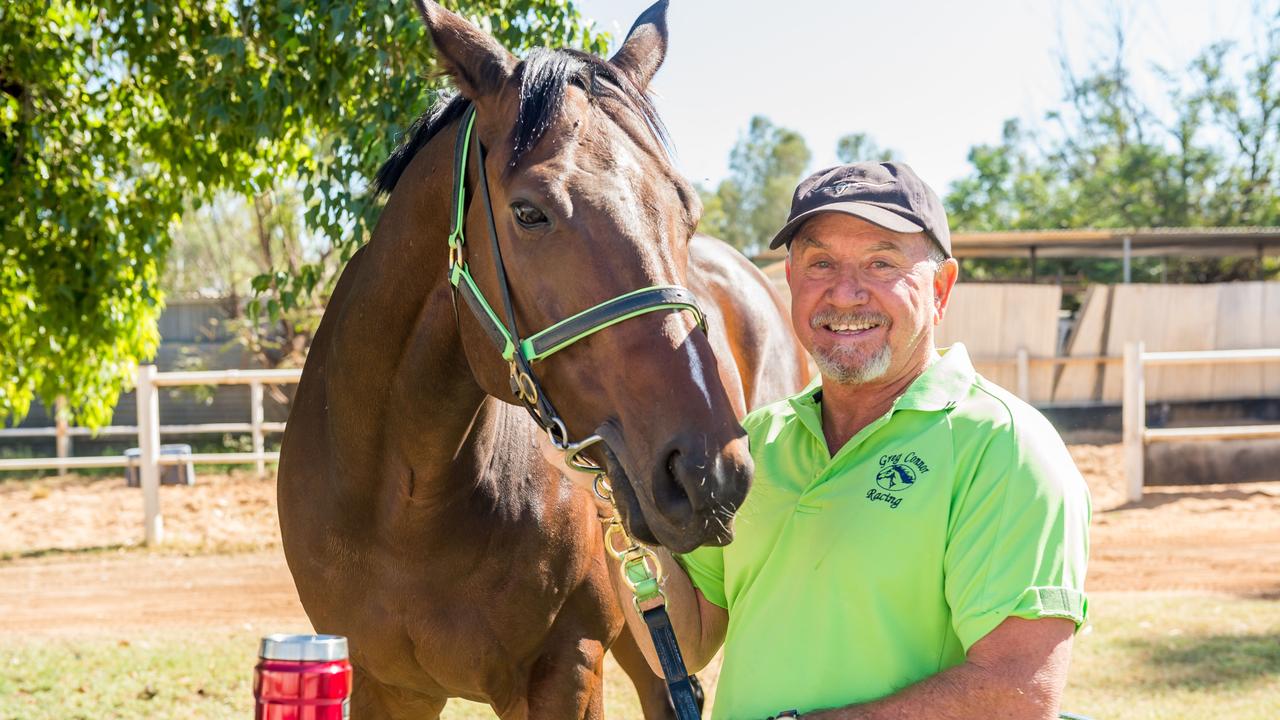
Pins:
x,y
528,216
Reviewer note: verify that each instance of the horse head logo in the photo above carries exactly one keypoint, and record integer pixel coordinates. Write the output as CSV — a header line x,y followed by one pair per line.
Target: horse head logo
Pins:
x,y
896,477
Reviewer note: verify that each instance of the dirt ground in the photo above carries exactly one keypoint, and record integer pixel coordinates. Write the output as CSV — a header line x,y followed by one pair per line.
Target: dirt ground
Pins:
x,y
67,564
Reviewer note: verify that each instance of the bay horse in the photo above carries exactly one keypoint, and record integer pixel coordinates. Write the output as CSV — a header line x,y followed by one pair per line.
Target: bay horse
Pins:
x,y
420,514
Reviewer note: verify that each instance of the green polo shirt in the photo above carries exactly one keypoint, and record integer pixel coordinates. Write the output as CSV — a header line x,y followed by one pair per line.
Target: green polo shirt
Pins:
x,y
854,576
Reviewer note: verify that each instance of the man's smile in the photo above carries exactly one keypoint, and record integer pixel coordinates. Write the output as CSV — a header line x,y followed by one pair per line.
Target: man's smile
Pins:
x,y
847,327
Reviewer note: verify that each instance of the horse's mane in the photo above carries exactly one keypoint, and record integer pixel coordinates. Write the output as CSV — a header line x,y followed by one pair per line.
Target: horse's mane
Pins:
x,y
544,77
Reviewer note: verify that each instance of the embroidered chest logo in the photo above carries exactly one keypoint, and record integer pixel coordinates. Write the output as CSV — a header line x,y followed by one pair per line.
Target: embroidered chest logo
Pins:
x,y
898,473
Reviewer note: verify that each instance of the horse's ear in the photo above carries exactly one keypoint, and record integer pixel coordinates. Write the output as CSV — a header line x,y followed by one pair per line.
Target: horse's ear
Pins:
x,y
478,64
645,47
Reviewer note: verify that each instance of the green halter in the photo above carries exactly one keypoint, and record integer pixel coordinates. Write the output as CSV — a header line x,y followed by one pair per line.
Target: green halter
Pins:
x,y
520,353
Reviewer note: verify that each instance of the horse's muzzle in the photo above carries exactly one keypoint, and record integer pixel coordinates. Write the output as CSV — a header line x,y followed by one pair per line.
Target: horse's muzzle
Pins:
x,y
688,497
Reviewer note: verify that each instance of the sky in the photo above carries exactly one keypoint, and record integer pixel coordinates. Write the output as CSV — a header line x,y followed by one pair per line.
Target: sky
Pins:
x,y
927,79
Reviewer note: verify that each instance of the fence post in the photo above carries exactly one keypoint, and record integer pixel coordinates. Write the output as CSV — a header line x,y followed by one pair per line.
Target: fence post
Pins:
x,y
62,434
1024,374
255,408
1134,411
149,449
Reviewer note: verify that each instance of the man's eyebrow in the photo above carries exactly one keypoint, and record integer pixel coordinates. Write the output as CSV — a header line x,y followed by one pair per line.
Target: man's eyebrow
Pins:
x,y
885,245
810,241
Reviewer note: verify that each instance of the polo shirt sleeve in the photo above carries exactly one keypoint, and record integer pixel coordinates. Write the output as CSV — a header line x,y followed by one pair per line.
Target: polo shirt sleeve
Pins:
x,y
1018,537
705,568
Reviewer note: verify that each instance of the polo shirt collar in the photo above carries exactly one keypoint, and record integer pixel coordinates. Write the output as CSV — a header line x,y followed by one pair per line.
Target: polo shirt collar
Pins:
x,y
940,387
943,385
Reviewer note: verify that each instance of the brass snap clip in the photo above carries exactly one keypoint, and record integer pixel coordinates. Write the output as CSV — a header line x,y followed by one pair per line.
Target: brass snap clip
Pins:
x,y
522,385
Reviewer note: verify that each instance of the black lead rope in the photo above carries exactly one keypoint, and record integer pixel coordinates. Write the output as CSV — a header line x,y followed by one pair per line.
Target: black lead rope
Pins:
x,y
679,682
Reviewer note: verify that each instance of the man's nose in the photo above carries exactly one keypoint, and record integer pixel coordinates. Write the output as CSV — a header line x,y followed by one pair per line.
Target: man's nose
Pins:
x,y
848,291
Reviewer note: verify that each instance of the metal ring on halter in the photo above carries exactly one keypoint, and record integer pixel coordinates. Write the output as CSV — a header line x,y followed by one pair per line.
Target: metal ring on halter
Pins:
x,y
601,485
573,455
558,434
649,557
615,530
523,386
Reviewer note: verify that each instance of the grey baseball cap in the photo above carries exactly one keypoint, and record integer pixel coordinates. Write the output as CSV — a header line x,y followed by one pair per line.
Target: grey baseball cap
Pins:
x,y
889,194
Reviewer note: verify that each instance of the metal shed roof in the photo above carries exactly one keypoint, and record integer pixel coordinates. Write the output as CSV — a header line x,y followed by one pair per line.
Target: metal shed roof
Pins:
x,y
1116,243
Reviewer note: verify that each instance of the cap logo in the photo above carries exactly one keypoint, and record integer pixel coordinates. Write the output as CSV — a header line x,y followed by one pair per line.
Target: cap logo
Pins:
x,y
843,187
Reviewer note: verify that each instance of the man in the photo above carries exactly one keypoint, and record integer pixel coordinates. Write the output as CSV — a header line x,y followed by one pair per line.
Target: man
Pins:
x,y
914,542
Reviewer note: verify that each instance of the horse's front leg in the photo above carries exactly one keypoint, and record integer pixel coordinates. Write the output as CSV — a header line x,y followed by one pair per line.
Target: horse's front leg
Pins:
x,y
566,682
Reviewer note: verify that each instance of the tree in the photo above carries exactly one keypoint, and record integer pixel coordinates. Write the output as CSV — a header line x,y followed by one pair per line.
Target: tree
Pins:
x,y
115,115
749,206
857,147
236,248
1110,159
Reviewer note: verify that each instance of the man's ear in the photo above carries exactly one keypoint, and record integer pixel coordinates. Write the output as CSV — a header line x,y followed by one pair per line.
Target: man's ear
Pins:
x,y
645,47
478,64
944,281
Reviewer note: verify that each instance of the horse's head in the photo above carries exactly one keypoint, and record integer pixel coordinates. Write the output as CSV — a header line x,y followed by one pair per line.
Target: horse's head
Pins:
x,y
587,207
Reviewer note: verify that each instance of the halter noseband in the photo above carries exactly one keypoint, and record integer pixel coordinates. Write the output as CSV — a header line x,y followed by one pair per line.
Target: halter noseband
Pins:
x,y
521,353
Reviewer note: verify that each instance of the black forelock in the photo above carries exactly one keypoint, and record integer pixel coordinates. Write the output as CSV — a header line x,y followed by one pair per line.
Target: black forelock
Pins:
x,y
545,76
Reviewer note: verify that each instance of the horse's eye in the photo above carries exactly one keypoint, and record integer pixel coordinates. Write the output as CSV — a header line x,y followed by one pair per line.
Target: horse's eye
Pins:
x,y
528,216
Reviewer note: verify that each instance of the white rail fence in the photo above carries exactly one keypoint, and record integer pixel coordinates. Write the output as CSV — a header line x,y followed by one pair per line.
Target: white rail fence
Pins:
x,y
1136,433
148,431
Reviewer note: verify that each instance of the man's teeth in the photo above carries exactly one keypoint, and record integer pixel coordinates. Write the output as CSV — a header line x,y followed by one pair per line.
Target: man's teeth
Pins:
x,y
856,327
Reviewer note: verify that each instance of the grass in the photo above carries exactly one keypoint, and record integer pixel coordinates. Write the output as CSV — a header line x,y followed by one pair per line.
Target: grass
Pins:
x,y
1166,656
1145,656
201,676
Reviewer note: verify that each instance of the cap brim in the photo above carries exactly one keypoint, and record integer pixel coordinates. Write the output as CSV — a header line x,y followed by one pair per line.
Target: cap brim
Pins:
x,y
871,213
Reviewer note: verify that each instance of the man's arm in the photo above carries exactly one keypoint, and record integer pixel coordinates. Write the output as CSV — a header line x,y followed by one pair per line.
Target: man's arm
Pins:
x,y
699,624
1017,671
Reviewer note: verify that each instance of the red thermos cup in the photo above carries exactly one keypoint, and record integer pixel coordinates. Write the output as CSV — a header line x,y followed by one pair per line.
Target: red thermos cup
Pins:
x,y
302,677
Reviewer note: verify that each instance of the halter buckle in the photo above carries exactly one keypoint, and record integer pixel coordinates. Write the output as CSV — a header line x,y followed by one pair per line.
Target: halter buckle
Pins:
x,y
523,387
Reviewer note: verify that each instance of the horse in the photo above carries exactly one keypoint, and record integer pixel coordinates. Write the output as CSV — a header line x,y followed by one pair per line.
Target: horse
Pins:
x,y
420,512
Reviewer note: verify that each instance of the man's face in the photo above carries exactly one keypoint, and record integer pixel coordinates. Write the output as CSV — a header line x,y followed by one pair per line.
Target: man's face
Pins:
x,y
865,300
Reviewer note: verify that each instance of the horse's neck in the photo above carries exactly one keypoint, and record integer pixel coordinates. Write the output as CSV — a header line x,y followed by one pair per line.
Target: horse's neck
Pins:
x,y
404,407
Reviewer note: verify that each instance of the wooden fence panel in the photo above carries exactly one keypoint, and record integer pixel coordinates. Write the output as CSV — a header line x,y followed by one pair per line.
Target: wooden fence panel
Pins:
x,y
1080,383
994,320
1270,312
1239,326
1225,316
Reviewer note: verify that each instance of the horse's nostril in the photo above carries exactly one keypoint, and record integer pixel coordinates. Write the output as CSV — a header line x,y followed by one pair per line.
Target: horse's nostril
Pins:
x,y
670,493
